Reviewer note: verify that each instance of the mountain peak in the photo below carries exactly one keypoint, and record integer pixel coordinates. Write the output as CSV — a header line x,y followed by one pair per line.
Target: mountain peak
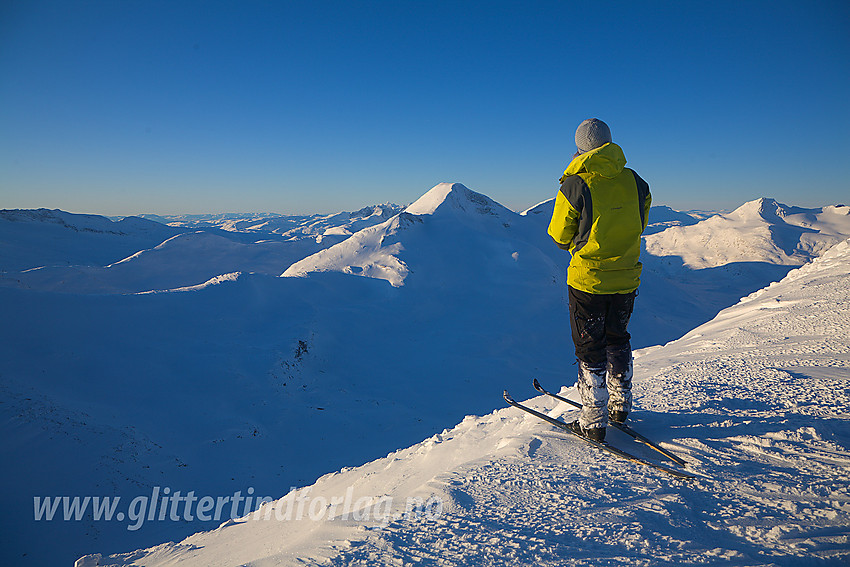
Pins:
x,y
764,208
454,197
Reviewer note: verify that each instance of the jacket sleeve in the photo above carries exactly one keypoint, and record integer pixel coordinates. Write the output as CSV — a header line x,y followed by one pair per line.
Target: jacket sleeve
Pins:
x,y
564,224
644,199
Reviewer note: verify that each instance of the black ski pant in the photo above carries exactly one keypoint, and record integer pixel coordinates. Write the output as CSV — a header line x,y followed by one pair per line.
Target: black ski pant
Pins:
x,y
599,325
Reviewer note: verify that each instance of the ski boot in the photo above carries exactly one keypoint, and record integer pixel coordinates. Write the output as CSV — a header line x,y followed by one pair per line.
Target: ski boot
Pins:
x,y
594,434
617,416
619,382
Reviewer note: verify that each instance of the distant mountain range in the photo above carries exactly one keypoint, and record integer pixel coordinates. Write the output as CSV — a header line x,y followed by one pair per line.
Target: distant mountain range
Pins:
x,y
292,226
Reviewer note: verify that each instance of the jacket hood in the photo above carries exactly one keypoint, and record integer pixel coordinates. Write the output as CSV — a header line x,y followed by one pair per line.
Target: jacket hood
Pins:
x,y
607,161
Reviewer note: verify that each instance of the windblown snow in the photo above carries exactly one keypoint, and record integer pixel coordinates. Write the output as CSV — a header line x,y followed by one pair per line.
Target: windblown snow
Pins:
x,y
388,329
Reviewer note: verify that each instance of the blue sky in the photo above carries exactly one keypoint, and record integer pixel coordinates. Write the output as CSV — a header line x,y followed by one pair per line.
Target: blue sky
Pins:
x,y
124,107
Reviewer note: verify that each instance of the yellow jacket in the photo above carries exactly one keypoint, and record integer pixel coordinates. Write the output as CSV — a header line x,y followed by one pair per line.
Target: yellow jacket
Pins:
x,y
600,212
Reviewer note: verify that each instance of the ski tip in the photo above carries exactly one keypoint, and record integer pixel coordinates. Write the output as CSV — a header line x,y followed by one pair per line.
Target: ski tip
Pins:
x,y
537,386
507,396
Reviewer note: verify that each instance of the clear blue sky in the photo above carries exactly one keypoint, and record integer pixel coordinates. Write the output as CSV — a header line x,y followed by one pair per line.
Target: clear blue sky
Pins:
x,y
123,107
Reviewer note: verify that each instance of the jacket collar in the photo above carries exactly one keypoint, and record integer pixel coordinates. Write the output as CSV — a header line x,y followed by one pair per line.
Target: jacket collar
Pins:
x,y
607,161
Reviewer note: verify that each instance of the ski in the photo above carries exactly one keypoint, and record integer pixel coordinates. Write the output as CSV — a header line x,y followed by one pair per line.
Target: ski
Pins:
x,y
599,445
621,426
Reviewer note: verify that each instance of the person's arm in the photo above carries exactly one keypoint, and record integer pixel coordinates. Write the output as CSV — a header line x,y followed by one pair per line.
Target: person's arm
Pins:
x,y
644,199
564,224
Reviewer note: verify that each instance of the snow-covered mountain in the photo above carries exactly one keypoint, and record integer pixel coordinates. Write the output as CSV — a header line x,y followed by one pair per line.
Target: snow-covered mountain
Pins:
x,y
231,377
759,231
712,263
58,251
450,236
754,400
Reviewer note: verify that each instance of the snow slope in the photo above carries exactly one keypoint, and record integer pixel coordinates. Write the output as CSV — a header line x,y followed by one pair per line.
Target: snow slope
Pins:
x,y
756,400
232,378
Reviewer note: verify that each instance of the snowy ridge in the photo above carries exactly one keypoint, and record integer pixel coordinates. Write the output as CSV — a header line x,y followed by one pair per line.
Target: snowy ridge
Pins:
x,y
542,208
47,238
232,277
662,217
835,258
755,400
79,222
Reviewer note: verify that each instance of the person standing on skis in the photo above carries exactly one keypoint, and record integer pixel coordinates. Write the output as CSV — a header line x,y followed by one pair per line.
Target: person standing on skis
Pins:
x,y
601,210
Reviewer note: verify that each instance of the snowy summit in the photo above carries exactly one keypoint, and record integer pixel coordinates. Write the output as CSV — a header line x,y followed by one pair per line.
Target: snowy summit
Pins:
x,y
454,197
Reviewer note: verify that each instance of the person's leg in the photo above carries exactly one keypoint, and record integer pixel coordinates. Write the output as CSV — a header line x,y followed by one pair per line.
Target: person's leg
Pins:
x,y
587,321
619,356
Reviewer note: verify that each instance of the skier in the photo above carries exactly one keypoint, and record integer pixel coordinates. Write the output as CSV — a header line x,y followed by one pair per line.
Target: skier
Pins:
x,y
601,210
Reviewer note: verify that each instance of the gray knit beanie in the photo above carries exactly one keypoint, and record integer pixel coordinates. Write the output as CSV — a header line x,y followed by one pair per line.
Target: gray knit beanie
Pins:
x,y
591,134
